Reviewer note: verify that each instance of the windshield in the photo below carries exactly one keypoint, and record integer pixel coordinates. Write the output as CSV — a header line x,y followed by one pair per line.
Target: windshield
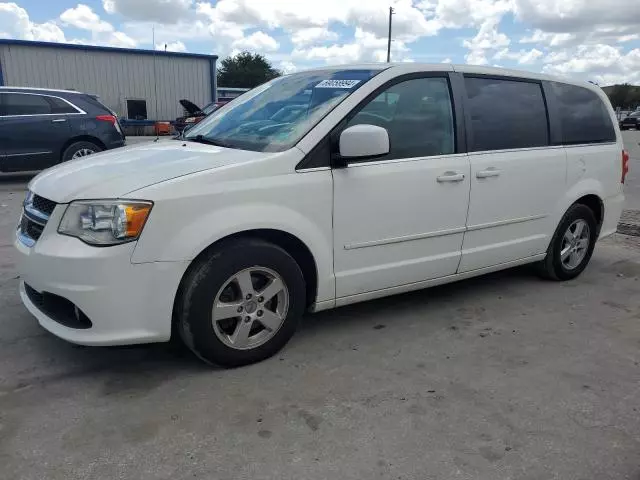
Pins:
x,y
276,115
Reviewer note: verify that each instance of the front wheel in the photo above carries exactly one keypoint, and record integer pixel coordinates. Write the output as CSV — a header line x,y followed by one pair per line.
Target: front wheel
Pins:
x,y
241,303
572,244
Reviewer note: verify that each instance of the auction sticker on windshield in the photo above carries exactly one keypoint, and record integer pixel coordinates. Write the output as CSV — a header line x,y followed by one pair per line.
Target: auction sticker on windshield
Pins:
x,y
337,84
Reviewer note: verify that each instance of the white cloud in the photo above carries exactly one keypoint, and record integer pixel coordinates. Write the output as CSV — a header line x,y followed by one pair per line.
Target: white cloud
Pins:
x,y
84,18
176,46
102,33
365,47
287,67
447,60
576,15
603,63
164,11
313,36
523,57
15,23
487,39
256,42
550,39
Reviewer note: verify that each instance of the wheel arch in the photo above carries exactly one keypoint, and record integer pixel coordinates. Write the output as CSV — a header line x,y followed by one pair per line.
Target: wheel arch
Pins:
x,y
290,243
595,204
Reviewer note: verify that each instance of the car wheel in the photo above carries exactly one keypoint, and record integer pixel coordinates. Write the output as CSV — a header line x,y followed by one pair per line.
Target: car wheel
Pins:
x,y
80,149
572,245
241,303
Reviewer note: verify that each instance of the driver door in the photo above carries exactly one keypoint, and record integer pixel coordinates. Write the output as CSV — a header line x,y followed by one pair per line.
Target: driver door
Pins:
x,y
400,219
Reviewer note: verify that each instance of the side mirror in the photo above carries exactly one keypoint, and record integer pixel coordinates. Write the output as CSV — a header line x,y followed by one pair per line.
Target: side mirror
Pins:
x,y
363,141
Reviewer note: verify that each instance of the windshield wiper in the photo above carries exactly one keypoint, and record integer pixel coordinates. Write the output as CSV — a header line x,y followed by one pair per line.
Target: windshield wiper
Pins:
x,y
208,141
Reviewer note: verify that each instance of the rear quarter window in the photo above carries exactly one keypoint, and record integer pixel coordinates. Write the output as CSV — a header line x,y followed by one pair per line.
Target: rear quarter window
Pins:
x,y
584,117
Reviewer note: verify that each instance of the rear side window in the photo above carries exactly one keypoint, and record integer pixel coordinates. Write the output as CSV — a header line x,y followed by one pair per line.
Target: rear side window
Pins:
x,y
23,104
506,114
583,116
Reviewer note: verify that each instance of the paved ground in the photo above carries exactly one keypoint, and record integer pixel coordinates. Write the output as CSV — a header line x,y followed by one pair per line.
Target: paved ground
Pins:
x,y
500,377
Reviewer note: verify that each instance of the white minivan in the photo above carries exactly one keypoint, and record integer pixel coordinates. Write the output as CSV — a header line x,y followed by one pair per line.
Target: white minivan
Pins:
x,y
316,190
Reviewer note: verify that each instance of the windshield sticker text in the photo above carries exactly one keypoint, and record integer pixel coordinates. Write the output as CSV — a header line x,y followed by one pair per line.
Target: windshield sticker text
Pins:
x,y
337,84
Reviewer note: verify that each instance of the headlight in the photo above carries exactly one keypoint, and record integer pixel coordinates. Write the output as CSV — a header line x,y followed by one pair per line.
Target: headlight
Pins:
x,y
105,222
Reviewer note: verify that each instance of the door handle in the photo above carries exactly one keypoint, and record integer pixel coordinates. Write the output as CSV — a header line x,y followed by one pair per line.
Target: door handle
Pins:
x,y
450,177
59,120
489,172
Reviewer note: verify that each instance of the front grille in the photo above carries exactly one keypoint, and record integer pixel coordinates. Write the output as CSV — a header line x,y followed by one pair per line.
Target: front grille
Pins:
x,y
58,309
30,228
43,205
35,216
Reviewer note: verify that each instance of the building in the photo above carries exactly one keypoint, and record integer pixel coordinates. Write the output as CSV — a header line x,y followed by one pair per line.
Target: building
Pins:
x,y
136,84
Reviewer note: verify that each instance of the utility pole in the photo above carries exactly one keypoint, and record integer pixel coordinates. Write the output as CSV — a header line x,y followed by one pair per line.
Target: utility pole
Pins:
x,y
389,39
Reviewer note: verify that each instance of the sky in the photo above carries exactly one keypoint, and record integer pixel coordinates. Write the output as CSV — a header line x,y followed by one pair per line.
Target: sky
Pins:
x,y
596,40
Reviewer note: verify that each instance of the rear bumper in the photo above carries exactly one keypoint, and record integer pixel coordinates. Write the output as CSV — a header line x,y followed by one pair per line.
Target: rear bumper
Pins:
x,y
612,211
116,143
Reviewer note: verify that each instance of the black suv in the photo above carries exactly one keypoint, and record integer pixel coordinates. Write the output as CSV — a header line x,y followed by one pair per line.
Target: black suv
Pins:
x,y
40,127
631,121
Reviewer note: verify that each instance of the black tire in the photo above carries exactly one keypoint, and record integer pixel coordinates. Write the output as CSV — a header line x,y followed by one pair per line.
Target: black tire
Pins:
x,y
552,267
207,277
75,147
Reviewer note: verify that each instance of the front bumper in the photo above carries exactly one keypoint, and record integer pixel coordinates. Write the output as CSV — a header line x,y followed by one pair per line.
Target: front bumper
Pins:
x,y
126,303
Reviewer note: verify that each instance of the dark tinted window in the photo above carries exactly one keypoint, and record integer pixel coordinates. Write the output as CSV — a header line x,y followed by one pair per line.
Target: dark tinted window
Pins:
x,y
506,114
417,115
583,116
60,106
137,109
24,104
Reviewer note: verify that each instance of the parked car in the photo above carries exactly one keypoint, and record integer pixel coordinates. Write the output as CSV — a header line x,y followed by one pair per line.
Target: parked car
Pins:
x,y
394,178
40,127
632,120
195,114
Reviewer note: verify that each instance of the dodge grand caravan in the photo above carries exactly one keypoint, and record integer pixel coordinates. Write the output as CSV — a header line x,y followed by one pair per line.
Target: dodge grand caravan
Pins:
x,y
376,180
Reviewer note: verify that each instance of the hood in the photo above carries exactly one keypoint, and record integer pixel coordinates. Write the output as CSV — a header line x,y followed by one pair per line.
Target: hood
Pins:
x,y
190,107
114,173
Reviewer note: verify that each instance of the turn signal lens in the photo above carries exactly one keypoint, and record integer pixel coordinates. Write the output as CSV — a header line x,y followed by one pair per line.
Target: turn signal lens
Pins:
x,y
136,216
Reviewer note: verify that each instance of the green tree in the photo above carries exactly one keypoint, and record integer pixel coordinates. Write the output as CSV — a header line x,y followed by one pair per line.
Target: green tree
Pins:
x,y
245,70
620,95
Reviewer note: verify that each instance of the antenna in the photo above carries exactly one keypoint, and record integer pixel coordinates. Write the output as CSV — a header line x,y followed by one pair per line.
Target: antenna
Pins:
x,y
155,79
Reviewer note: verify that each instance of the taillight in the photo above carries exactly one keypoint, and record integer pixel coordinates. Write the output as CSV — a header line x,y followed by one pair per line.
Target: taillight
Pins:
x,y
625,165
107,118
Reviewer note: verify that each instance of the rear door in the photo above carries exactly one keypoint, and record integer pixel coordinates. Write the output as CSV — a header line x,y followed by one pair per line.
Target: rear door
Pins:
x,y
34,127
517,177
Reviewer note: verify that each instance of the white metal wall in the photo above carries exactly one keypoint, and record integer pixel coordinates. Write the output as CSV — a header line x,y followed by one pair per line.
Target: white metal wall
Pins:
x,y
113,76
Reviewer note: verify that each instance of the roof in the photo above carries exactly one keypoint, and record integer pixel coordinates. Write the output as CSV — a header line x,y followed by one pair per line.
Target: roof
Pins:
x,y
28,89
95,48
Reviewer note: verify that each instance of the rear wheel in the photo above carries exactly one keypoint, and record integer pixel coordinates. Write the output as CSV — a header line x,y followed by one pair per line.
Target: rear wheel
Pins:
x,y
80,149
572,244
241,303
